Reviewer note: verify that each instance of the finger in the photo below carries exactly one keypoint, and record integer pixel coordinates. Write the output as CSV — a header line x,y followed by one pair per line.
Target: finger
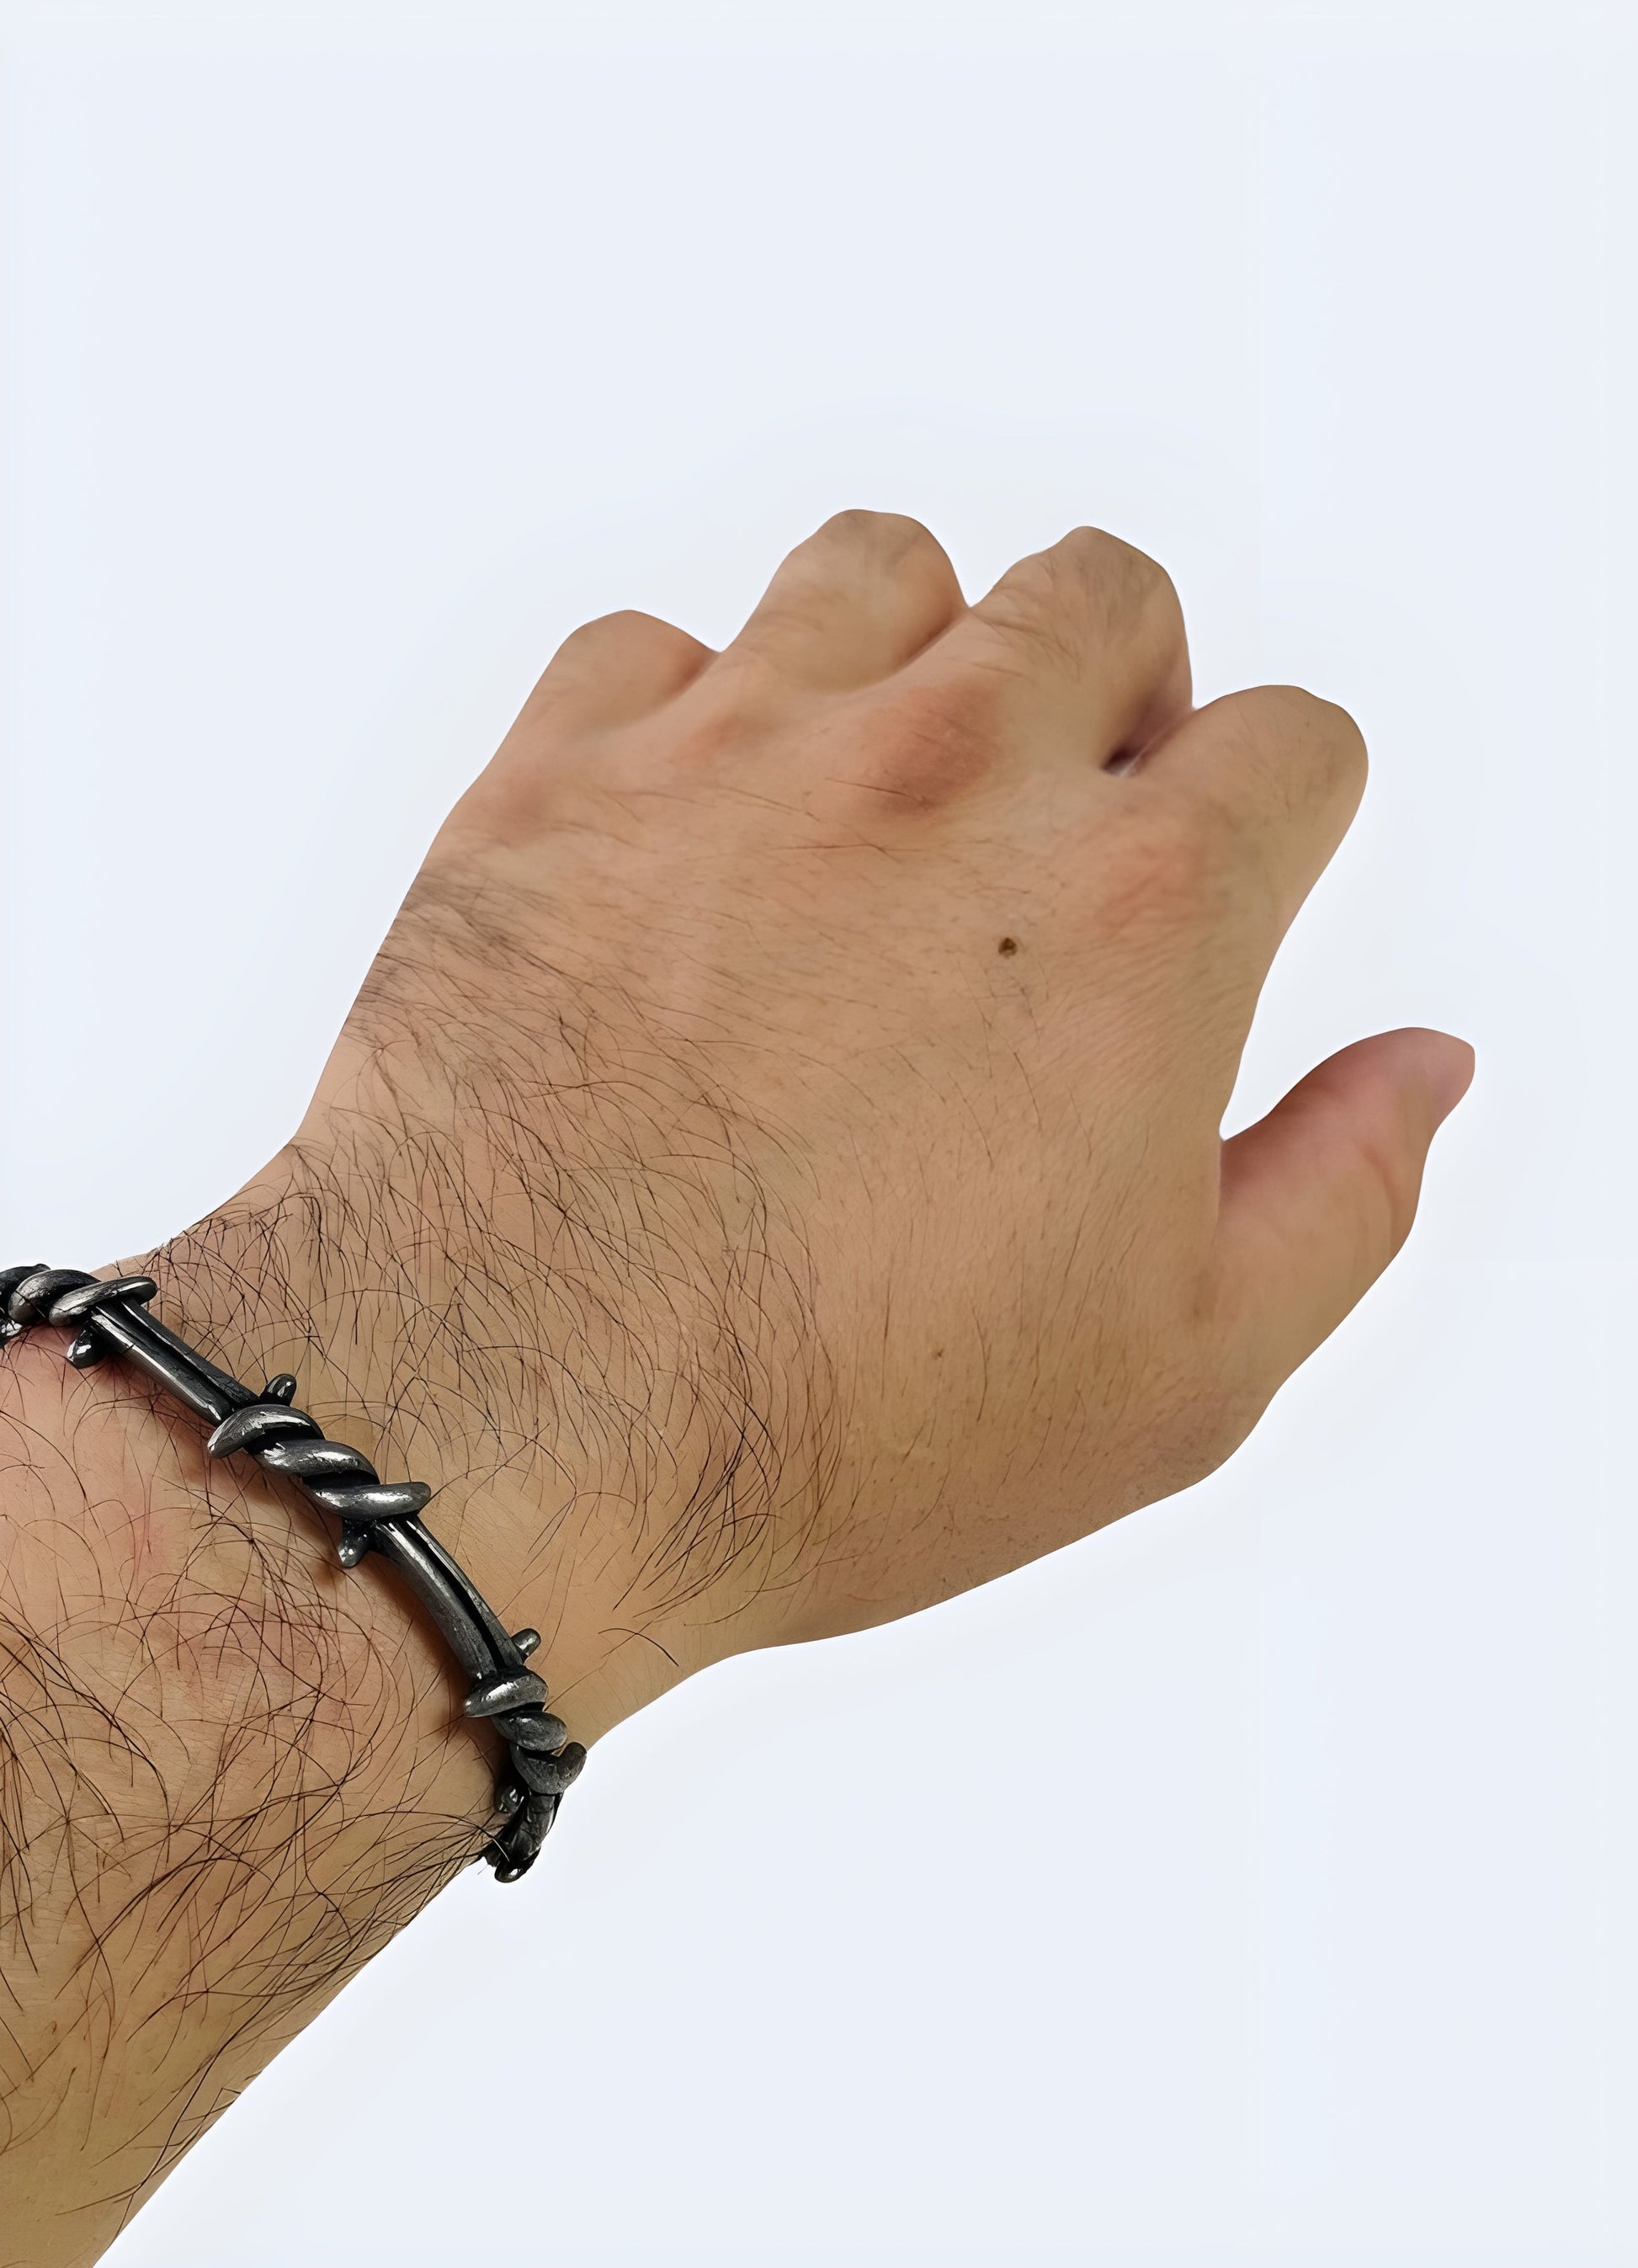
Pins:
x,y
615,670
1276,775
1083,644
1319,1196
852,604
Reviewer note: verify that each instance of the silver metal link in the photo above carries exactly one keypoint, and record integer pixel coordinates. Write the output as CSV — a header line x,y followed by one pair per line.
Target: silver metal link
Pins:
x,y
112,1318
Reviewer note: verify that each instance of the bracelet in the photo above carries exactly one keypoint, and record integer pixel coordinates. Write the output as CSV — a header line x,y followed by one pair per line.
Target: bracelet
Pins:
x,y
111,1317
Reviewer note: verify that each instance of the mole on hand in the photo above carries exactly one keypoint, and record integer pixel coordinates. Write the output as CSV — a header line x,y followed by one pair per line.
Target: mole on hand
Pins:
x,y
1008,944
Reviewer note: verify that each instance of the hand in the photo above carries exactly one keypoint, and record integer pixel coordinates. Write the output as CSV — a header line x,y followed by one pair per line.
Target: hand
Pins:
x,y
769,1181
776,1151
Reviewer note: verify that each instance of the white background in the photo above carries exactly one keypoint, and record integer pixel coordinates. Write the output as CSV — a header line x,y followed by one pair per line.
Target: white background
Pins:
x,y
1253,1883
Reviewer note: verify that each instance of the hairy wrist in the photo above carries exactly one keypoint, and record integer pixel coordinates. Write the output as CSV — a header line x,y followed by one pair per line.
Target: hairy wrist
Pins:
x,y
228,1777
528,1229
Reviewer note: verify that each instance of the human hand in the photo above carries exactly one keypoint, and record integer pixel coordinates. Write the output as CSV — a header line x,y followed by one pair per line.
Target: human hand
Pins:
x,y
772,1173
769,1181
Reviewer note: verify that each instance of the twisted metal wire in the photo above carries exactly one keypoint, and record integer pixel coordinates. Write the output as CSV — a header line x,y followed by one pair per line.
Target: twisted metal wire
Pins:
x,y
111,1317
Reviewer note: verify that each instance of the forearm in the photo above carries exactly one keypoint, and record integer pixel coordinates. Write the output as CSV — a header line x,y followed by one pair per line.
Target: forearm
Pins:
x,y
233,1769
231,1772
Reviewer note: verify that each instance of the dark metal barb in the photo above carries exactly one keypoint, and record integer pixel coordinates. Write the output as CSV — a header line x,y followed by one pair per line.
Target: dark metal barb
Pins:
x,y
109,1316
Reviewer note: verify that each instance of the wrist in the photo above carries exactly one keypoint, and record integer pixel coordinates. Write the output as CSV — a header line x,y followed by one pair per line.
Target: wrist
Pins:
x,y
421,1331
187,1616
563,1291
279,1281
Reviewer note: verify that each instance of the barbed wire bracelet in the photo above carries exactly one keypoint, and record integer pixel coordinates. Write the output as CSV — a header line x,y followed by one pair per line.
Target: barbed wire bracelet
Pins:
x,y
112,1318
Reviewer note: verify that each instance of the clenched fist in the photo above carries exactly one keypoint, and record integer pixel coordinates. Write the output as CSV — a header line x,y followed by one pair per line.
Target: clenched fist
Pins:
x,y
770,1180
772,1176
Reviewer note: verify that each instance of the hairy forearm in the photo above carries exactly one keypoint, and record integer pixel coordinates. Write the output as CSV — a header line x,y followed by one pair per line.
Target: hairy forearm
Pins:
x,y
233,1769
229,1775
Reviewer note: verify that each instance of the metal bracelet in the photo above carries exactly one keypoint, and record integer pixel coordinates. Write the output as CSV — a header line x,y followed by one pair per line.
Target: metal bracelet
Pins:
x,y
110,1317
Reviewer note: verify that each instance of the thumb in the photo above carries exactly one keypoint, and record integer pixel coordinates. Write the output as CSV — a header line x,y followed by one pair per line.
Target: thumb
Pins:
x,y
1318,1196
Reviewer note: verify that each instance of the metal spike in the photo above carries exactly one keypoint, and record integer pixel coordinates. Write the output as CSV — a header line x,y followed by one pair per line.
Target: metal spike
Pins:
x,y
314,1460
508,1688
514,1850
371,1499
540,1731
261,1421
549,1775
74,1306
30,1300
11,1278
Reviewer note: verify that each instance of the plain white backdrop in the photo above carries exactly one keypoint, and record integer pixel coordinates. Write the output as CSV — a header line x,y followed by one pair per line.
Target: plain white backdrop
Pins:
x,y
1254,1884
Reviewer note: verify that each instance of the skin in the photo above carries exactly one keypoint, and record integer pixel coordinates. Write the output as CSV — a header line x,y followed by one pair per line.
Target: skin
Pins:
x,y
769,1182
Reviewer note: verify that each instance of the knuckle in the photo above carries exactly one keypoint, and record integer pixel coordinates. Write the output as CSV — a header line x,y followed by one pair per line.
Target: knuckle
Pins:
x,y
1311,747
606,672
1126,580
621,627
1086,591
923,745
893,534
607,638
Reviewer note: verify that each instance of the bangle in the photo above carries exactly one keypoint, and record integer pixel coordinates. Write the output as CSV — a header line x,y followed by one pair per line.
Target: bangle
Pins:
x,y
111,1318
